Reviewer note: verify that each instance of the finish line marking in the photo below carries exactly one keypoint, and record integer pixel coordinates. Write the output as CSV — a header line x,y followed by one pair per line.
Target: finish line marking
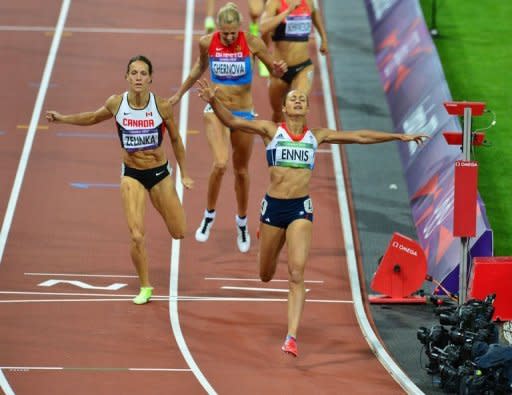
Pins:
x,y
91,369
46,29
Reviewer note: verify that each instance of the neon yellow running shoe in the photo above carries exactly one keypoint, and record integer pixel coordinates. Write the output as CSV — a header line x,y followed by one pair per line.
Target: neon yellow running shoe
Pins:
x,y
263,69
254,29
144,295
209,24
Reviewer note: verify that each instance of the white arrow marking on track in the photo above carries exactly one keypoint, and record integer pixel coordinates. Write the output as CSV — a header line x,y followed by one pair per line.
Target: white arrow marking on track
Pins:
x,y
81,284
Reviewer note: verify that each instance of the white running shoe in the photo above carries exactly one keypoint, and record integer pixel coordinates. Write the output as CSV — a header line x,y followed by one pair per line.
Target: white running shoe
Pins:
x,y
243,239
203,232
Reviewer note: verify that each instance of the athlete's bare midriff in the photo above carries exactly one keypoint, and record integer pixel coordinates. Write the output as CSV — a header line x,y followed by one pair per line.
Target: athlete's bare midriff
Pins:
x,y
147,159
288,183
235,97
292,52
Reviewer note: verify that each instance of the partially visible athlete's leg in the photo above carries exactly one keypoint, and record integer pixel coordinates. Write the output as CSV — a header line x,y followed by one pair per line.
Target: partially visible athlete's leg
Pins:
x,y
272,240
242,148
303,81
218,140
166,201
298,237
133,196
209,21
277,90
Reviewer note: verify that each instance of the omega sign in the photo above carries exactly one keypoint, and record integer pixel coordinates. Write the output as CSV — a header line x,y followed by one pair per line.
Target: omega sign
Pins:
x,y
401,247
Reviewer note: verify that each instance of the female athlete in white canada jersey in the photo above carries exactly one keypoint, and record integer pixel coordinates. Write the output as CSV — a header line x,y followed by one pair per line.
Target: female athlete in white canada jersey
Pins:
x,y
141,118
287,210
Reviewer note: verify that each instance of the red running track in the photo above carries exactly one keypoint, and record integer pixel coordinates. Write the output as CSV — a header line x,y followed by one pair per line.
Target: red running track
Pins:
x,y
66,327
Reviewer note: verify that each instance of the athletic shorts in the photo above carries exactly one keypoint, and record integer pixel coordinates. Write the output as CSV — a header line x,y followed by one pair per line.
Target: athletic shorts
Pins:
x,y
282,212
292,71
147,177
249,115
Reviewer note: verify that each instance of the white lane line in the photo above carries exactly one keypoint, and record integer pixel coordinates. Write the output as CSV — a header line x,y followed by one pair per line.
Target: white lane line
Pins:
x,y
81,275
29,139
259,289
181,299
257,280
21,28
382,355
46,368
176,244
27,146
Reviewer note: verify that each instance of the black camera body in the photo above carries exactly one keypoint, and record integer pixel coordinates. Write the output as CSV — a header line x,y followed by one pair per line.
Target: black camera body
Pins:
x,y
453,351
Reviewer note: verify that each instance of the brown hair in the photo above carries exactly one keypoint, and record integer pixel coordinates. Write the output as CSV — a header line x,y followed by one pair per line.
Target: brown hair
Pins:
x,y
142,58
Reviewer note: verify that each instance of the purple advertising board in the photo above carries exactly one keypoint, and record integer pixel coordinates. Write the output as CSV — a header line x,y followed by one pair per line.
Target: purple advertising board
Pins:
x,y
415,86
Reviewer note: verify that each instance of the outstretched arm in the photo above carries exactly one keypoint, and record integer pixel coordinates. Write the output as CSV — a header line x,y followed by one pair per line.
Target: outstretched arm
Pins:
x,y
364,136
87,118
176,141
196,72
265,129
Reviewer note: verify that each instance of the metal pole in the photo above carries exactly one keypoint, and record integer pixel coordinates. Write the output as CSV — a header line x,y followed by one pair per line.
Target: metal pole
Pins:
x,y
466,154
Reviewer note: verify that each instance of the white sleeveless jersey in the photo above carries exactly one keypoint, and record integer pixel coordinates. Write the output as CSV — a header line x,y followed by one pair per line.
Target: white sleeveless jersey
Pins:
x,y
287,150
139,130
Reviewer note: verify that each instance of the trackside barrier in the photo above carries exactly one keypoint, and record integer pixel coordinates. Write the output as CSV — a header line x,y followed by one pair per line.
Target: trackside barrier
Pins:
x,y
415,87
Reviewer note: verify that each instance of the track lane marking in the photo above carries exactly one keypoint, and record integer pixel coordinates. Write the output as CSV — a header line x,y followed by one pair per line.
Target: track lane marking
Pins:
x,y
257,280
49,29
92,368
27,147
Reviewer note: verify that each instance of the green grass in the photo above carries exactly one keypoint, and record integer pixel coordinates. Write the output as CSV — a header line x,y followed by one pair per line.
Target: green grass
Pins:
x,y
476,53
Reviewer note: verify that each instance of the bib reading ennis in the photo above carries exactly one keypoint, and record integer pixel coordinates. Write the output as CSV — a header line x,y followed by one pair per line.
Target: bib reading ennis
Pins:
x,y
139,129
287,150
230,65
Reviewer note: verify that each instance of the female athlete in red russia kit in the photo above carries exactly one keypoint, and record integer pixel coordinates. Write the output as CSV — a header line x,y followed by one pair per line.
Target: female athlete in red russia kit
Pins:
x,y
140,120
228,53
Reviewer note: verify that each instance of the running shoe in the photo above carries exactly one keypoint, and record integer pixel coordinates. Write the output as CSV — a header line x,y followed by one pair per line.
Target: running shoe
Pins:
x,y
243,239
209,24
263,69
290,346
203,232
254,29
144,295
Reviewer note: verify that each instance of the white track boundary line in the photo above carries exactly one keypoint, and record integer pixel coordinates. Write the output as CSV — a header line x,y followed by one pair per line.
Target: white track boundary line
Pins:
x,y
175,245
181,298
91,369
382,355
114,30
27,146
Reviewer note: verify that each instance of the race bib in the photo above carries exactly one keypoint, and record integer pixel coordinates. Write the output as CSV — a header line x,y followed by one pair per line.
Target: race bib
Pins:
x,y
298,26
136,140
264,205
228,69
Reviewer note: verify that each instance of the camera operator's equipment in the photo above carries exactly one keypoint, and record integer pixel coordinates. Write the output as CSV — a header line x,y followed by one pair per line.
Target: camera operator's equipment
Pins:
x,y
400,273
463,353
493,275
465,188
